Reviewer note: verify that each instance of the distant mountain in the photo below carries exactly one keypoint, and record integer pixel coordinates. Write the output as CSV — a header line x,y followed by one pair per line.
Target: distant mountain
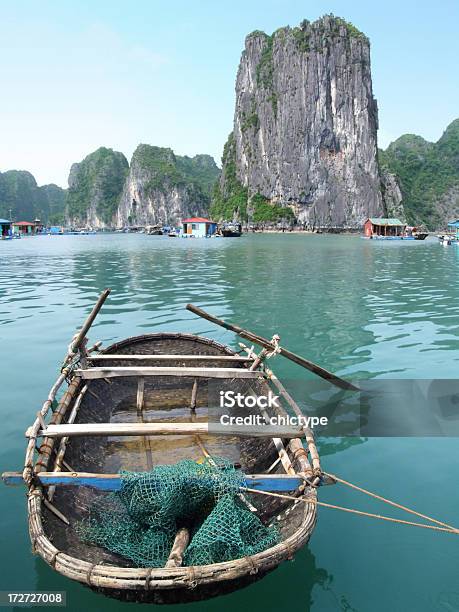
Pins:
x,y
95,187
162,187
104,190
428,175
21,197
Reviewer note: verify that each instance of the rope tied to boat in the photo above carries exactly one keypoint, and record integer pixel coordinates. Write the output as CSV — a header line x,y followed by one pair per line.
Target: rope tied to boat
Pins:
x,y
148,578
388,501
89,573
28,475
52,561
253,567
308,500
192,582
276,348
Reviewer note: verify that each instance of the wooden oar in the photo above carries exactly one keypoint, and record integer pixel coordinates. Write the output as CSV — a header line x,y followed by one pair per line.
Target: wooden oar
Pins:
x,y
90,320
301,361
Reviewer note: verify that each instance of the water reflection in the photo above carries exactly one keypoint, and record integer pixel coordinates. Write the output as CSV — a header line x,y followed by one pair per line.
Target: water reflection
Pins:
x,y
363,310
311,582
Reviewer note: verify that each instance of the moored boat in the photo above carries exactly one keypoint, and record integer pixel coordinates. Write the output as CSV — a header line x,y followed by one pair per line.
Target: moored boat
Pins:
x,y
419,233
144,403
154,230
231,230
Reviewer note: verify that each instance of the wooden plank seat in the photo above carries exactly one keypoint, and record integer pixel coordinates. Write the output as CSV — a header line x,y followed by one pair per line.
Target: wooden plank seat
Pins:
x,y
114,357
165,429
115,371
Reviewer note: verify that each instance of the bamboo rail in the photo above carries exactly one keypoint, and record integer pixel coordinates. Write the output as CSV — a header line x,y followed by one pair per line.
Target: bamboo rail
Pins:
x,y
64,441
116,371
164,429
114,357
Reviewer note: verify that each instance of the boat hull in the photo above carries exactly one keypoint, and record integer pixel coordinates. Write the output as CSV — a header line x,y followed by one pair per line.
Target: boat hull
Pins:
x,y
231,234
165,398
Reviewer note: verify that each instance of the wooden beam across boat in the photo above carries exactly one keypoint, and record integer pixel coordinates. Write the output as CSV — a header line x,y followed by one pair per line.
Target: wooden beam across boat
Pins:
x,y
167,429
116,371
115,357
112,482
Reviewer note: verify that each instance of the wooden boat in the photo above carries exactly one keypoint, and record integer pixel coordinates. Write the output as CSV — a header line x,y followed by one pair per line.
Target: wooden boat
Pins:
x,y
231,230
154,230
141,402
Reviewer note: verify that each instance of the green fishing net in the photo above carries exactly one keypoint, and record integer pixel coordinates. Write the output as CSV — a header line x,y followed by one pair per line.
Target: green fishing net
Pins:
x,y
140,521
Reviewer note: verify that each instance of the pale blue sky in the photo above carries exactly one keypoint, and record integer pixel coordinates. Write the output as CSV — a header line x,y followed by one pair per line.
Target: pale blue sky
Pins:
x,y
79,74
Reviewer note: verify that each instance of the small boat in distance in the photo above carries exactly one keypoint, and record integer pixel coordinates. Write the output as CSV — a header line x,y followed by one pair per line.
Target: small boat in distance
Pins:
x,y
154,230
231,229
418,232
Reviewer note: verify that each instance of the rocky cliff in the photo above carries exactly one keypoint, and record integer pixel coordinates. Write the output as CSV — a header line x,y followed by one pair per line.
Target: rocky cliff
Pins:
x,y
391,194
21,197
305,127
95,186
163,187
428,175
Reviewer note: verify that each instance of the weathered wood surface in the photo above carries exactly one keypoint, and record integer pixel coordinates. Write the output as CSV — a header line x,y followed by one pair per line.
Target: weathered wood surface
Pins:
x,y
305,363
112,482
168,428
90,320
64,441
116,371
178,548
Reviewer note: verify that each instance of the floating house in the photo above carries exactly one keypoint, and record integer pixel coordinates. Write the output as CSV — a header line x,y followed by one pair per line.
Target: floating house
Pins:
x,y
5,228
26,228
454,225
198,227
380,226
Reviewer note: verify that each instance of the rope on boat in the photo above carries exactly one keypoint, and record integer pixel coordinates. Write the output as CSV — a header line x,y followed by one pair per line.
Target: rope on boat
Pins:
x,y
388,501
359,512
276,350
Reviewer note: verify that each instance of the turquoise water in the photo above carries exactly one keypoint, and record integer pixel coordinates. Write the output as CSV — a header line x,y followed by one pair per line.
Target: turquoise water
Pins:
x,y
358,308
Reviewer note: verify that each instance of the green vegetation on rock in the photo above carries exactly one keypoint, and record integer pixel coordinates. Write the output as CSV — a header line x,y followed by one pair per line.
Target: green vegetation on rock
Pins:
x,y
265,68
351,30
53,204
265,212
20,194
229,199
302,36
164,169
96,182
426,172
250,120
